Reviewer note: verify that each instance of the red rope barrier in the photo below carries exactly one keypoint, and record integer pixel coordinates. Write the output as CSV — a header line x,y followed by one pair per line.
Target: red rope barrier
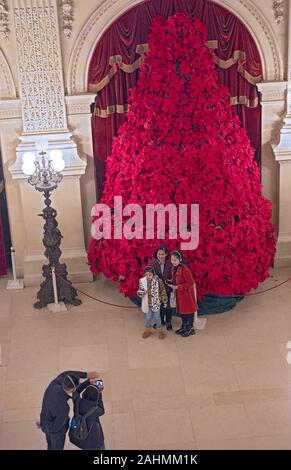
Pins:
x,y
95,298
103,301
263,291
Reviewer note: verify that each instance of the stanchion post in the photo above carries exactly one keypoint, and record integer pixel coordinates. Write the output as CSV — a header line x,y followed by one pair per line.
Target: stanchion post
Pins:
x,y
13,264
55,285
56,306
14,284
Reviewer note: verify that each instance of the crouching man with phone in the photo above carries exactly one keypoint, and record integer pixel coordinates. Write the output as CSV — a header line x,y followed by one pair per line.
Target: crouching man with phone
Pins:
x,y
54,417
85,428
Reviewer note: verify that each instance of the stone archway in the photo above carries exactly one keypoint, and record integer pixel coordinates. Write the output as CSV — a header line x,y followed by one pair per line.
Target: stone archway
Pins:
x,y
272,88
111,10
7,88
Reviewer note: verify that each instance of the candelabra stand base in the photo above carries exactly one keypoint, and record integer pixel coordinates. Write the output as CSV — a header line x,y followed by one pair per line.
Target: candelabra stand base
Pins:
x,y
66,292
57,308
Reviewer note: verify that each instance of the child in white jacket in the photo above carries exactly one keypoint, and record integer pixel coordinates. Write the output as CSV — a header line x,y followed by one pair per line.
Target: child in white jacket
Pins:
x,y
153,293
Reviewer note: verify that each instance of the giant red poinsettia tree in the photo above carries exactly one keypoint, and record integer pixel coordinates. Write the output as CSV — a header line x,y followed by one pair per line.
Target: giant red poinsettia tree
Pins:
x,y
182,144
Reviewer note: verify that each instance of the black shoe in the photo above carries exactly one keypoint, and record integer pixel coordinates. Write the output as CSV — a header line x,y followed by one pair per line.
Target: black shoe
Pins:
x,y
187,333
169,327
178,332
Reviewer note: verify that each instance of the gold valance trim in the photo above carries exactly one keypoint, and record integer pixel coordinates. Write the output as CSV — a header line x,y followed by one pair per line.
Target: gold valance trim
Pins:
x,y
212,44
123,108
115,108
116,63
238,55
250,78
105,81
132,67
142,48
249,103
115,59
225,64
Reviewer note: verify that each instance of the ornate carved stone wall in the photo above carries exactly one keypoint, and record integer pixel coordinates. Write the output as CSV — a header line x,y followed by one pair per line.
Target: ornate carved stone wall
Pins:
x,y
40,68
4,22
279,9
67,13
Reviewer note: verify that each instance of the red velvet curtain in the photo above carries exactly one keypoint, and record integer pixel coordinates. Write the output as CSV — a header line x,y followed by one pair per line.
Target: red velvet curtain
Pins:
x,y
115,65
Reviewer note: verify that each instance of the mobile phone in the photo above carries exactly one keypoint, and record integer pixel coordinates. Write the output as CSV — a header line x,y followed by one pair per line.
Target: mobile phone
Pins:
x,y
99,384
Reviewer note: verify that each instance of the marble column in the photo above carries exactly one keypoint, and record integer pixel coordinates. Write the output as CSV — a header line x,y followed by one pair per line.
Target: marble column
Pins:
x,y
273,103
44,114
283,156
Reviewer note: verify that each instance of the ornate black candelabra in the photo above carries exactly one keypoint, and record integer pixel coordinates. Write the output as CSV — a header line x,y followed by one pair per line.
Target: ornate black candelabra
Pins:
x,y
45,179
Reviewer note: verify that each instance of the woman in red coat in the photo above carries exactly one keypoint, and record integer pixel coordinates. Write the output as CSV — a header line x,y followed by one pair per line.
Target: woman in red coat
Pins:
x,y
183,286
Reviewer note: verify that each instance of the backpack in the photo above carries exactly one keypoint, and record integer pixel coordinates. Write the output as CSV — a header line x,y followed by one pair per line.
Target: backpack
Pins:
x,y
79,428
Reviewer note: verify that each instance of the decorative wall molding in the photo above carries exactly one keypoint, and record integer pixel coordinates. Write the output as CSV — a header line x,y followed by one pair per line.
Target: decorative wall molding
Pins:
x,y
4,23
79,104
75,166
272,91
67,14
40,69
279,7
10,109
110,10
7,87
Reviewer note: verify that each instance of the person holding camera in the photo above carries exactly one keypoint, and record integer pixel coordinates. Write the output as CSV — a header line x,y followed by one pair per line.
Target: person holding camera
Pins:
x,y
85,428
54,416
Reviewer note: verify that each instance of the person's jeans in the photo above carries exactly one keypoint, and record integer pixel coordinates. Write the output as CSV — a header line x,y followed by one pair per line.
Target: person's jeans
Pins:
x,y
187,321
55,440
169,313
151,315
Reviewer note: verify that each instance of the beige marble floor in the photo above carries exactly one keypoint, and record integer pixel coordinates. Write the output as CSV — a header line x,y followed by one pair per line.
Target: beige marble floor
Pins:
x,y
228,387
